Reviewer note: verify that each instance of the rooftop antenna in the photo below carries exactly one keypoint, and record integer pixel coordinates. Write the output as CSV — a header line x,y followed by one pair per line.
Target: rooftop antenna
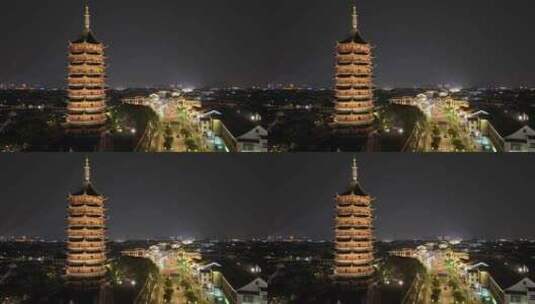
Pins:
x,y
87,17
87,171
355,18
355,170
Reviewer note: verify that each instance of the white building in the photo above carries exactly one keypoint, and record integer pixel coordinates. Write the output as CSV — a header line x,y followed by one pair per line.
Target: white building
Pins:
x,y
476,121
238,133
522,140
477,275
206,275
522,292
253,293
253,141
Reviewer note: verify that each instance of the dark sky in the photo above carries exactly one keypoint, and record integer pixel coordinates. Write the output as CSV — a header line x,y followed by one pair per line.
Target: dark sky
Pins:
x,y
251,195
253,42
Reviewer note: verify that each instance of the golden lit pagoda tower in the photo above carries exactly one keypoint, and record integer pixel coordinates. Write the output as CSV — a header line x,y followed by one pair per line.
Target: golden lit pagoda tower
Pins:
x,y
354,236
354,105
86,232
86,111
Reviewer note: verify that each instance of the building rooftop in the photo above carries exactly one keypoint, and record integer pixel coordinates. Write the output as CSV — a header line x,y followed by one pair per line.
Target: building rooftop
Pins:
x,y
522,286
87,37
522,134
505,274
87,189
354,186
238,274
355,189
237,121
504,124
355,33
355,37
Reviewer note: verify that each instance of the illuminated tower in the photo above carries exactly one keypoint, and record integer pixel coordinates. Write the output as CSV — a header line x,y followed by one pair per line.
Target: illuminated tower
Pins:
x,y
86,232
86,111
354,104
354,237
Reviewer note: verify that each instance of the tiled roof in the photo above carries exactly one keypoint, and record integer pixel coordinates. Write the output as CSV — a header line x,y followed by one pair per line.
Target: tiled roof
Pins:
x,y
88,37
88,189
356,38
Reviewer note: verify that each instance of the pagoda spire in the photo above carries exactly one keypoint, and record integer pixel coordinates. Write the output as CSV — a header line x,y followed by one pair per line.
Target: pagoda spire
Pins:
x,y
87,18
87,172
354,168
355,19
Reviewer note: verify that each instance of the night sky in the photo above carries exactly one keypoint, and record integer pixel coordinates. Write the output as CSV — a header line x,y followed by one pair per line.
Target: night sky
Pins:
x,y
253,42
243,196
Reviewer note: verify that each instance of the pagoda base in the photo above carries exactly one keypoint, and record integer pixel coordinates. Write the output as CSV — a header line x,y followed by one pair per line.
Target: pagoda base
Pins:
x,y
85,130
349,294
356,283
84,142
96,292
355,131
345,143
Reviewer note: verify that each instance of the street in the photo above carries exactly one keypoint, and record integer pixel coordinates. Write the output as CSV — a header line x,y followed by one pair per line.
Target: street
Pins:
x,y
443,284
444,132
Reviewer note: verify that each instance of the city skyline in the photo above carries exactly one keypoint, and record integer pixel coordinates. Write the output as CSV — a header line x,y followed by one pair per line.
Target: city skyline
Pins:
x,y
163,196
213,43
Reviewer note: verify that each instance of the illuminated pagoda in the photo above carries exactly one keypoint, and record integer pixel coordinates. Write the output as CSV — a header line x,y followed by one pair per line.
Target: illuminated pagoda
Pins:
x,y
86,111
354,237
86,232
354,105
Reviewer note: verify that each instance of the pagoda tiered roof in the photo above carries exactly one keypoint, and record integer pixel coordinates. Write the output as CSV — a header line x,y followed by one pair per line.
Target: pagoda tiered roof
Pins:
x,y
86,233
87,37
354,104
87,189
355,37
354,239
86,111
355,189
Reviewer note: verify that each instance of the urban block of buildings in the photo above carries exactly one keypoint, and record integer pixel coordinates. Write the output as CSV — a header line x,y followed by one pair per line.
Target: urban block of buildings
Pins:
x,y
223,129
499,280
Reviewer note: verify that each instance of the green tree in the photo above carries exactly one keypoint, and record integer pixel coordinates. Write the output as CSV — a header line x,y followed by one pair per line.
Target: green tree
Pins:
x,y
458,144
185,132
190,296
458,296
191,144
435,295
168,293
436,131
168,138
435,144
